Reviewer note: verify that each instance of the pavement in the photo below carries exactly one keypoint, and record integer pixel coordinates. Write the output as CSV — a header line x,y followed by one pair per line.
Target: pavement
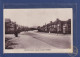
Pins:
x,y
39,40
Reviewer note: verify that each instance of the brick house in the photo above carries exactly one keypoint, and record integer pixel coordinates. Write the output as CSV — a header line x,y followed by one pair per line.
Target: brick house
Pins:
x,y
57,26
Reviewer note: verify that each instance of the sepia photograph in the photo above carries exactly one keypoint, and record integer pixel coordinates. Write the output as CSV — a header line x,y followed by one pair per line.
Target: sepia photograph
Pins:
x,y
38,30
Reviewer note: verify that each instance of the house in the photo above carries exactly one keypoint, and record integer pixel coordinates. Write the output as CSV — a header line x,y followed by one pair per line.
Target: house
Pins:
x,y
57,26
9,26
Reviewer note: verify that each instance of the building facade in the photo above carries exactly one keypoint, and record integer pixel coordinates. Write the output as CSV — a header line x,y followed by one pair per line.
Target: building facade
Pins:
x,y
57,26
9,26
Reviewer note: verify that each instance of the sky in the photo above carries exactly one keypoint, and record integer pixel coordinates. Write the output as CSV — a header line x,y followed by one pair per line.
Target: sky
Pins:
x,y
37,16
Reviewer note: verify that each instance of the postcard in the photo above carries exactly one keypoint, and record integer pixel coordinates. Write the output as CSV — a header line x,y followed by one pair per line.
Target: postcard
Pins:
x,y
38,30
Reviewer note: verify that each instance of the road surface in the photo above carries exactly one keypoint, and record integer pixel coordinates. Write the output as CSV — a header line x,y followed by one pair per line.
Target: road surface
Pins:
x,y
39,40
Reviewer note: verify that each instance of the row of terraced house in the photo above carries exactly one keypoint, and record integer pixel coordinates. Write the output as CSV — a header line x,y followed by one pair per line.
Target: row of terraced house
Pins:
x,y
10,27
57,26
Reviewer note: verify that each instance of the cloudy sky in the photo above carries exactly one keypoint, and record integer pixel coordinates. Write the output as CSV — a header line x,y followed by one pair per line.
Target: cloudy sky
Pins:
x,y
37,17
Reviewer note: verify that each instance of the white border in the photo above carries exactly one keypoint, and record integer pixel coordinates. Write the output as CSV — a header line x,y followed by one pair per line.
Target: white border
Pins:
x,y
23,50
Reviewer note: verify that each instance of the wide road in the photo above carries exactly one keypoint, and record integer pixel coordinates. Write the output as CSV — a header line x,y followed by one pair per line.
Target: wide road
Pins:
x,y
40,40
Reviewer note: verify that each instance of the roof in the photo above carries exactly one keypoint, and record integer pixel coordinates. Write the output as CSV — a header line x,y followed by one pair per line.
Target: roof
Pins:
x,y
7,20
